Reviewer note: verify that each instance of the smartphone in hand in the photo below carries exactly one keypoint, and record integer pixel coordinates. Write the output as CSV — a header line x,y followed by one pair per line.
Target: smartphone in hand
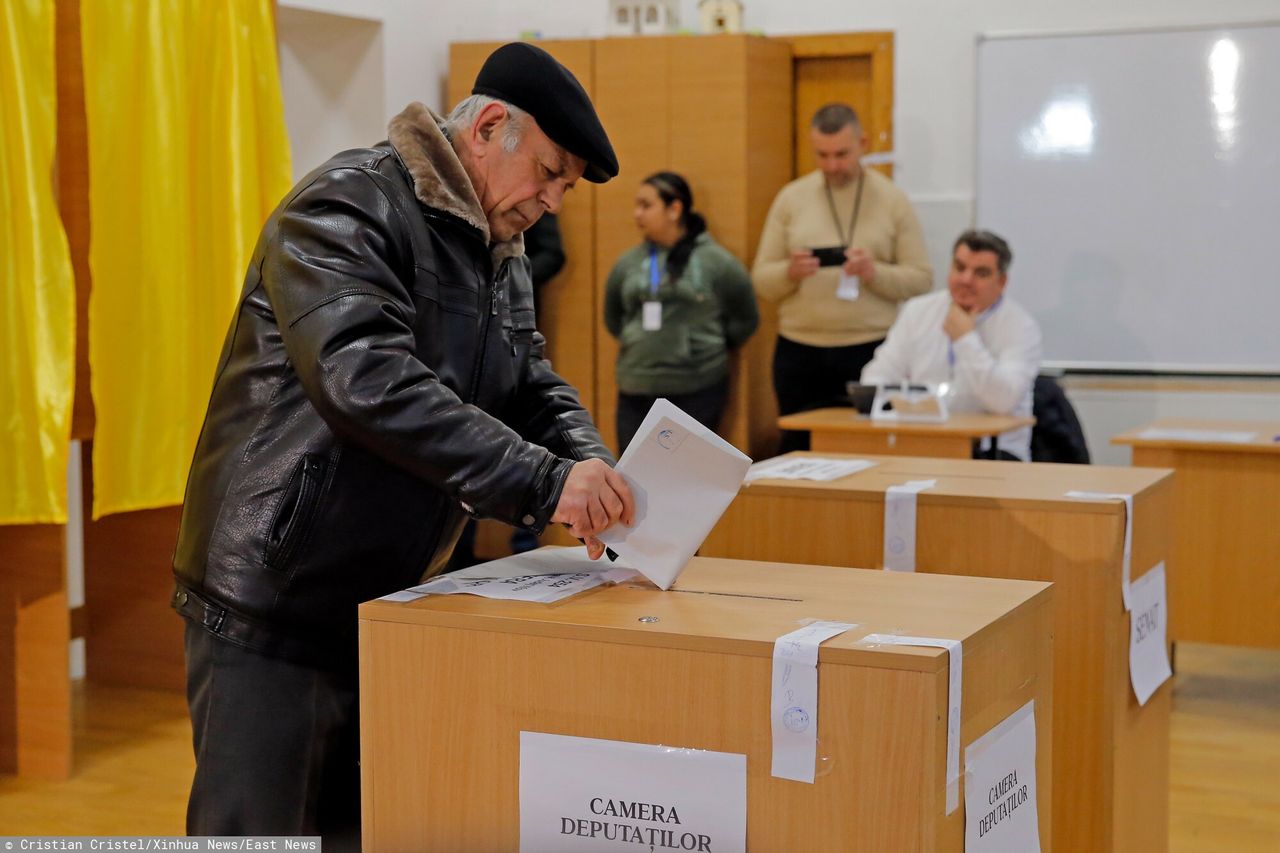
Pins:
x,y
829,256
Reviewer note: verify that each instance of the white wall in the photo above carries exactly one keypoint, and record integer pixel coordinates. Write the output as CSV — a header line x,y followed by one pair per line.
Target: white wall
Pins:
x,y
935,40
934,95
1106,407
333,77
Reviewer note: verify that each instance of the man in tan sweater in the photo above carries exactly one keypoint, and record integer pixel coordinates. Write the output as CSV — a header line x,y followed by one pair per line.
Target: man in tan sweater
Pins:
x,y
832,318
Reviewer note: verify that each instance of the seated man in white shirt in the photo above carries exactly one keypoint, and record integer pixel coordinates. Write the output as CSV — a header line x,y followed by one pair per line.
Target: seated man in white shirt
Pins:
x,y
971,336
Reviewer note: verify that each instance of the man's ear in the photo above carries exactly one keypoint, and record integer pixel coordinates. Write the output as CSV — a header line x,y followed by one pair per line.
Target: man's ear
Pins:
x,y
486,123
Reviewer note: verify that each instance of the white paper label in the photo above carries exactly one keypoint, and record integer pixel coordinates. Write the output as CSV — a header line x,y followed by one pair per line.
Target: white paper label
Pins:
x,y
583,794
900,524
793,705
1148,640
651,316
955,686
848,287
1128,534
1000,814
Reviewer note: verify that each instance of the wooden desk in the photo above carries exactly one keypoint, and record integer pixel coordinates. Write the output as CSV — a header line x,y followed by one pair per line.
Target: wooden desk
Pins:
x,y
440,767
1011,520
1226,522
846,431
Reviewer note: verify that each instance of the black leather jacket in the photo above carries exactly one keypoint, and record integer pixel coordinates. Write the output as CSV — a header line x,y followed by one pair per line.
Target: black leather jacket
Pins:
x,y
382,368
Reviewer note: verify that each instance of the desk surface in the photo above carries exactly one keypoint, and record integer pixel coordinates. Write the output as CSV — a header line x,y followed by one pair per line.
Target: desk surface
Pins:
x,y
849,420
1265,440
742,607
975,481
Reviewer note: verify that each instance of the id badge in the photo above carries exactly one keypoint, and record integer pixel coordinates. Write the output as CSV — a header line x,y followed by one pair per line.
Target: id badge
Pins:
x,y
651,319
848,287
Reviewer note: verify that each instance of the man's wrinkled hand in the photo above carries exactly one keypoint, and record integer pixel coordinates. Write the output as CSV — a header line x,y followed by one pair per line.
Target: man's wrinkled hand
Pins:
x,y
594,498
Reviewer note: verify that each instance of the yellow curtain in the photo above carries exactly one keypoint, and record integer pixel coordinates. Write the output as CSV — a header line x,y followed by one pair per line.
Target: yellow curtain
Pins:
x,y
187,156
37,286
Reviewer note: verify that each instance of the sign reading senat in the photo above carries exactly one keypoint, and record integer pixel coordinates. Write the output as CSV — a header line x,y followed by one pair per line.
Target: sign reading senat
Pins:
x,y
581,793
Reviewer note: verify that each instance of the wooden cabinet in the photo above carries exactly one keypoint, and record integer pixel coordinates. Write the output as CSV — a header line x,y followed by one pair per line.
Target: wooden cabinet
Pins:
x,y
716,109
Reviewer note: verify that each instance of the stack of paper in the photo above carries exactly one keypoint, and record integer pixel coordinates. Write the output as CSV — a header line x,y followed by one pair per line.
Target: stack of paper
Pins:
x,y
805,468
683,477
543,576
1223,436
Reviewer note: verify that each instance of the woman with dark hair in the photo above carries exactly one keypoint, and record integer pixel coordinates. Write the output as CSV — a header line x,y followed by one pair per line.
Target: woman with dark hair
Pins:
x,y
677,303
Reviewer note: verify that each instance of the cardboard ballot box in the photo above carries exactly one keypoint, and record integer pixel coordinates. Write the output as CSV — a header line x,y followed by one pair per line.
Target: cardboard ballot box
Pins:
x,y
449,684
1014,520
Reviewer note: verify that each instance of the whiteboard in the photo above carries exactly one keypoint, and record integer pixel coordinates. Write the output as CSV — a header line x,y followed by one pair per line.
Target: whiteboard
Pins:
x,y
1136,176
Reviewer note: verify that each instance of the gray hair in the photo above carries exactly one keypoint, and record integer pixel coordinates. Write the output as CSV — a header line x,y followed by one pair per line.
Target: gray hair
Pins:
x,y
464,114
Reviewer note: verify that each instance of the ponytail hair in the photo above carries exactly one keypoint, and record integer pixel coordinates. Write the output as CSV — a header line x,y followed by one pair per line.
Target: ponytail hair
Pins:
x,y
671,187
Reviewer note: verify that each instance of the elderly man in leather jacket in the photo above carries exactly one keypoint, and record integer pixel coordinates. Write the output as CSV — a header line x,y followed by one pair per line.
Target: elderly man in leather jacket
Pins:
x,y
382,376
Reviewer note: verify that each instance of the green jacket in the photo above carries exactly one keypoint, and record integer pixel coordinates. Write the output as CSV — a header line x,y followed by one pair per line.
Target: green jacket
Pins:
x,y
709,310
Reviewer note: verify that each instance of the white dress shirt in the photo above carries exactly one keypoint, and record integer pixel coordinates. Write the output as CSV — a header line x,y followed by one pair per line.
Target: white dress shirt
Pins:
x,y
991,369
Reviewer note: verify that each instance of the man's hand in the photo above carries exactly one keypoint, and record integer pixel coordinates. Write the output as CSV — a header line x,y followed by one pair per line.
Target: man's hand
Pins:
x,y
860,263
803,265
958,322
594,497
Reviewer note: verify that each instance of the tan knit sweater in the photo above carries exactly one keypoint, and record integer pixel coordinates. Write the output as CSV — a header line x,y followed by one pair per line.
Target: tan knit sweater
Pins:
x,y
809,312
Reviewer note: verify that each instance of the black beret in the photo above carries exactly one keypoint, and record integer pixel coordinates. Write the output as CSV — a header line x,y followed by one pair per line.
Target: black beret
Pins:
x,y
530,78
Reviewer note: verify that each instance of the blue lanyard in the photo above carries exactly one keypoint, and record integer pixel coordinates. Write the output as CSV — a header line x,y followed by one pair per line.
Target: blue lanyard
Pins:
x,y
655,275
951,350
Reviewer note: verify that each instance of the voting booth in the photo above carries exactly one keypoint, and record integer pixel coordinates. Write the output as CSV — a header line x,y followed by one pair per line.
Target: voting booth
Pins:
x,y
661,718
1013,520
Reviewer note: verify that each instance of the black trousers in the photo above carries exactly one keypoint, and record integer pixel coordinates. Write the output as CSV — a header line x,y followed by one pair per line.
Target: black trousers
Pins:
x,y
706,406
277,745
806,377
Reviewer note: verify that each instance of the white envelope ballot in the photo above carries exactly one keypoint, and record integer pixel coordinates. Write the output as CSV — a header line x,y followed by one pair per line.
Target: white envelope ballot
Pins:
x,y
683,477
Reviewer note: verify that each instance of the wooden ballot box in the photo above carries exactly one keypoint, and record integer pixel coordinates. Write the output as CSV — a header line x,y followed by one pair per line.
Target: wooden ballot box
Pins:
x,y
1226,540
448,683
1013,520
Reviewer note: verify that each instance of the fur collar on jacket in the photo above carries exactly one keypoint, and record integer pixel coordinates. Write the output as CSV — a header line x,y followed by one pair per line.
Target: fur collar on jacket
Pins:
x,y
439,181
